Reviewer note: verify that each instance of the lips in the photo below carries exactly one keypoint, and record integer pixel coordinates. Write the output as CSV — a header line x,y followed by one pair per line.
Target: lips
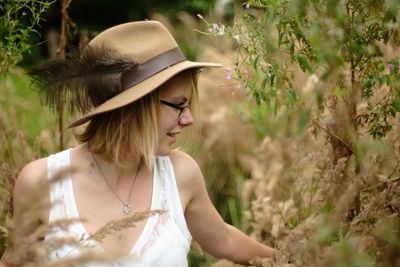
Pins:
x,y
173,134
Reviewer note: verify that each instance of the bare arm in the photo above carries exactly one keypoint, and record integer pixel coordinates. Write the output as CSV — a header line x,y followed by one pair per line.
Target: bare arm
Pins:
x,y
30,187
206,225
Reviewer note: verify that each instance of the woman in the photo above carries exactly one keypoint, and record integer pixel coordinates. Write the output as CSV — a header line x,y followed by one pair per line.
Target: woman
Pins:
x,y
137,92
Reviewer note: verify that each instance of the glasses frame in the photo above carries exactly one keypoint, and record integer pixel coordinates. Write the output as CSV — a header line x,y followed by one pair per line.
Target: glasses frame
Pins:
x,y
179,108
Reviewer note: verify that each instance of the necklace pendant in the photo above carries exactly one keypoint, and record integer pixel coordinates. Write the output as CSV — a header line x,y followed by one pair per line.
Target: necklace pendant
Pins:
x,y
126,209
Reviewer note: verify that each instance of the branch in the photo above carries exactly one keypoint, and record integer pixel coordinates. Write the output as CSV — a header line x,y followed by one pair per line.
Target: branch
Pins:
x,y
333,135
388,181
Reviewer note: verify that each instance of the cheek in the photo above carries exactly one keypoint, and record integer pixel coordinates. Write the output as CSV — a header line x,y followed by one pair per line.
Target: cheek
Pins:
x,y
164,123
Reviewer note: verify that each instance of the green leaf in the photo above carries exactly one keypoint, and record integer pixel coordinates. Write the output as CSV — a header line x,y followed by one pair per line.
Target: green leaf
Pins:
x,y
292,96
339,91
396,105
303,121
255,62
264,83
304,63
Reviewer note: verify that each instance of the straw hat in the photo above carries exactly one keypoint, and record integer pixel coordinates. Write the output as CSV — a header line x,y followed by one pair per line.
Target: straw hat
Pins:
x,y
159,58
143,56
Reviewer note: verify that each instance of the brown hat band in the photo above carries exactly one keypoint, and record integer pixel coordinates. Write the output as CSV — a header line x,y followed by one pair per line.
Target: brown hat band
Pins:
x,y
147,69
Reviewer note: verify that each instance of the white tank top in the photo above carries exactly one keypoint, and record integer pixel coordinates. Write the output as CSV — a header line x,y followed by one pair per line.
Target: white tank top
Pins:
x,y
165,240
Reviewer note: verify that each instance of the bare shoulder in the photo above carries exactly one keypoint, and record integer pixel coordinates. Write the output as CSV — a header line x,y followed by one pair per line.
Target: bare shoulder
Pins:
x,y
188,176
30,187
28,212
184,165
32,174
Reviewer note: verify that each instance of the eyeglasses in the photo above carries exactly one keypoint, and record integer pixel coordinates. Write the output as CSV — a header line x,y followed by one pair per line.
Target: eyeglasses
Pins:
x,y
178,108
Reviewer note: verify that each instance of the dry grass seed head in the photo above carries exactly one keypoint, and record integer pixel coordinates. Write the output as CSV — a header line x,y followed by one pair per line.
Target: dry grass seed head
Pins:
x,y
7,183
118,225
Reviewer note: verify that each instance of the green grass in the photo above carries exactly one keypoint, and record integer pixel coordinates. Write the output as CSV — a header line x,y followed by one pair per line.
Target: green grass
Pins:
x,y
22,106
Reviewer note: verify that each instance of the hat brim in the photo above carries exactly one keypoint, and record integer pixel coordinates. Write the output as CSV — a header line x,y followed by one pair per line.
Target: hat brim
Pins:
x,y
143,88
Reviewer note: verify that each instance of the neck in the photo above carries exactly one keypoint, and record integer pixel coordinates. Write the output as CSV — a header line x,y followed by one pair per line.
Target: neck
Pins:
x,y
114,174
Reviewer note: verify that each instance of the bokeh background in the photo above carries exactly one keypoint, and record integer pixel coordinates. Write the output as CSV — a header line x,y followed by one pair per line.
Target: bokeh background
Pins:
x,y
298,173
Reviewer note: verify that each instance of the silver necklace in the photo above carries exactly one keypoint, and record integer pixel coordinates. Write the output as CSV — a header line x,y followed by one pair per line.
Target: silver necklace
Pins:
x,y
126,206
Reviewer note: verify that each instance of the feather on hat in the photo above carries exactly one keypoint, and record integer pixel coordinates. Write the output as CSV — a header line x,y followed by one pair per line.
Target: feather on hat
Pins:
x,y
119,66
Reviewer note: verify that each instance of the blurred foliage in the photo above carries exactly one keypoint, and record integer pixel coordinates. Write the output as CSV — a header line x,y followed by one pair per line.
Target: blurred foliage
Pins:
x,y
338,41
18,22
103,13
90,17
323,77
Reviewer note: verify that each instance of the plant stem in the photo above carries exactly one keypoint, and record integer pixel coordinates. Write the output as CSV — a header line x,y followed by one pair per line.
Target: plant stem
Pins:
x,y
65,25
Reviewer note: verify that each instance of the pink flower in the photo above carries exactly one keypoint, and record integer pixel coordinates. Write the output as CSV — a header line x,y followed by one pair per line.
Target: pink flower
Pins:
x,y
390,66
228,73
210,30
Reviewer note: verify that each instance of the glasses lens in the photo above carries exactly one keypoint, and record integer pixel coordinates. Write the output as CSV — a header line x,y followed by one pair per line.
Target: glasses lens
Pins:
x,y
178,108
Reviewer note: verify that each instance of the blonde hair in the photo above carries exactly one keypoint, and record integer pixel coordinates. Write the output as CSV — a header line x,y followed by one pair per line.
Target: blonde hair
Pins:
x,y
127,135
194,130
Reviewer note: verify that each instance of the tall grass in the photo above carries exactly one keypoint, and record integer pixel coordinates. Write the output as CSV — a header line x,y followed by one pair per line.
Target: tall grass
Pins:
x,y
322,188
287,179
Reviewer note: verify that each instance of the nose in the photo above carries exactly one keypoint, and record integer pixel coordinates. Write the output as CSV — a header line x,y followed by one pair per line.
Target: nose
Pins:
x,y
186,118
